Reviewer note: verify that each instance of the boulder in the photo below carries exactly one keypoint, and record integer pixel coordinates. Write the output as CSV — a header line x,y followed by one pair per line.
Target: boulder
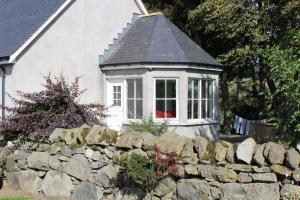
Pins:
x,y
149,141
296,175
130,194
138,152
192,189
293,158
93,155
39,160
29,181
217,173
230,153
220,152
264,177
289,191
54,148
171,142
94,135
239,167
257,191
244,178
57,184
130,140
11,164
57,135
191,169
261,169
245,150
165,186
276,154
281,170
258,157
76,136
54,163
188,155
87,191
78,167
66,151
13,180
215,193
200,144
107,176
267,148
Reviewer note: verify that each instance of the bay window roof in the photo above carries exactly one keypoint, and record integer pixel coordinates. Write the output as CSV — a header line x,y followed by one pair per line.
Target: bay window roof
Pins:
x,y
155,39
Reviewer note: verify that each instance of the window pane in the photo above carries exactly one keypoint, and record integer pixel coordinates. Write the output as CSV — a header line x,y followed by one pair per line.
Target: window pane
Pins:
x,y
189,109
190,88
160,88
118,102
119,88
119,96
196,89
171,109
171,88
130,88
139,109
160,109
210,89
203,109
196,108
210,109
139,88
130,111
203,89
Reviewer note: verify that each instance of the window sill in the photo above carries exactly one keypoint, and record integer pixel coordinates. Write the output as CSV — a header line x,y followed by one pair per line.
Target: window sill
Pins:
x,y
175,122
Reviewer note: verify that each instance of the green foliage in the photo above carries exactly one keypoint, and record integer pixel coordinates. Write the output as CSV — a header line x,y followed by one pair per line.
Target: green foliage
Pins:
x,y
284,102
140,168
15,198
149,126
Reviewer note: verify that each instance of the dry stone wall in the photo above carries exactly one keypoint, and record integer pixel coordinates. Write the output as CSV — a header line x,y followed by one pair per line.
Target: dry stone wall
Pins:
x,y
78,164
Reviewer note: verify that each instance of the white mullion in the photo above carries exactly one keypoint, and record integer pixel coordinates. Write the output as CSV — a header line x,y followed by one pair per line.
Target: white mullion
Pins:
x,y
134,101
165,99
193,96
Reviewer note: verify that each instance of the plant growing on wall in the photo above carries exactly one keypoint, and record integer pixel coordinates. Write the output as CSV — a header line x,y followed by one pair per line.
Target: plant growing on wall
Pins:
x,y
35,115
149,126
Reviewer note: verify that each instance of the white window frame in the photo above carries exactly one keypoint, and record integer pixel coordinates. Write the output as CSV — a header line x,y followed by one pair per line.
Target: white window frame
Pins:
x,y
200,99
177,99
134,99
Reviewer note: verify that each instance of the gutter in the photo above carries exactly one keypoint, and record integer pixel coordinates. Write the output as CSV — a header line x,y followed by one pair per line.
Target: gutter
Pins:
x,y
3,91
141,6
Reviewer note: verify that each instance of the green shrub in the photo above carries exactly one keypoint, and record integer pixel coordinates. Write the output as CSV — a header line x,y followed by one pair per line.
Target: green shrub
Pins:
x,y
140,168
149,126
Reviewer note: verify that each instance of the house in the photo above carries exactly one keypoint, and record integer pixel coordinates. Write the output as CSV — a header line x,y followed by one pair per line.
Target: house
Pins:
x,y
138,64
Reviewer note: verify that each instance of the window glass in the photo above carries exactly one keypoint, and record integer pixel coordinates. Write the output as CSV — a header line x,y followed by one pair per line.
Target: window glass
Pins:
x,y
130,109
171,88
130,90
200,99
160,88
134,99
139,88
166,102
160,108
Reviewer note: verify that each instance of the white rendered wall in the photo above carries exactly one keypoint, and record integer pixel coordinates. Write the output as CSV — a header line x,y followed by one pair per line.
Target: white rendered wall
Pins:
x,y
72,46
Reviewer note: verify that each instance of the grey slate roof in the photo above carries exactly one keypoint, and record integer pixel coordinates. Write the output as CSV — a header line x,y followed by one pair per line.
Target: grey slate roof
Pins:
x,y
154,39
20,19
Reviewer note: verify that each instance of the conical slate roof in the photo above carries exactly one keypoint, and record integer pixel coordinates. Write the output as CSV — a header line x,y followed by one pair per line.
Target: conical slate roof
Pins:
x,y
154,39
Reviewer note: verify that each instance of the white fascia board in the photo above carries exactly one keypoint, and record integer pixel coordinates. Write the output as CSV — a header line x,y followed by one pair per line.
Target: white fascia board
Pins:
x,y
141,6
124,67
39,31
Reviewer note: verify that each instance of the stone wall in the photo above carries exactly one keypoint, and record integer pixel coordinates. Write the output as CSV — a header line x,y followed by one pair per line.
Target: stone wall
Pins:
x,y
78,163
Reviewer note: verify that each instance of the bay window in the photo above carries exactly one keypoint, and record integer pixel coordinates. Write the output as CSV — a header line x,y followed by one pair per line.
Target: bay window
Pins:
x,y
134,99
200,99
166,98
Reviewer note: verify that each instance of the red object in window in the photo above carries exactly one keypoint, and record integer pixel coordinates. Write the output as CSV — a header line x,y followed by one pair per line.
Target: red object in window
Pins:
x,y
160,114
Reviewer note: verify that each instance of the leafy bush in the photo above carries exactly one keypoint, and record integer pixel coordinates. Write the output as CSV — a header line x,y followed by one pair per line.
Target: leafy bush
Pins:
x,y
140,168
165,163
35,115
149,126
147,171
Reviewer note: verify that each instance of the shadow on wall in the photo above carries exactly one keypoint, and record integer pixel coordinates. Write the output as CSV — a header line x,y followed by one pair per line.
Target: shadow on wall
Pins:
x,y
210,132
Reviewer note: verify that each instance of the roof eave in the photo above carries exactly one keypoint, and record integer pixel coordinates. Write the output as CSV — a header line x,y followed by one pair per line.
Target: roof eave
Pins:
x,y
157,65
13,57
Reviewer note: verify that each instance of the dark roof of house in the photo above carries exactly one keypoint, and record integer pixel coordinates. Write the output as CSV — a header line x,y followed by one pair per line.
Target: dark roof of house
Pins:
x,y
154,39
20,19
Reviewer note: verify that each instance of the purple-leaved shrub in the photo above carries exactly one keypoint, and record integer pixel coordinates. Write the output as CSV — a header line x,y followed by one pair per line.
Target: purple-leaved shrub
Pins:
x,y
36,114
